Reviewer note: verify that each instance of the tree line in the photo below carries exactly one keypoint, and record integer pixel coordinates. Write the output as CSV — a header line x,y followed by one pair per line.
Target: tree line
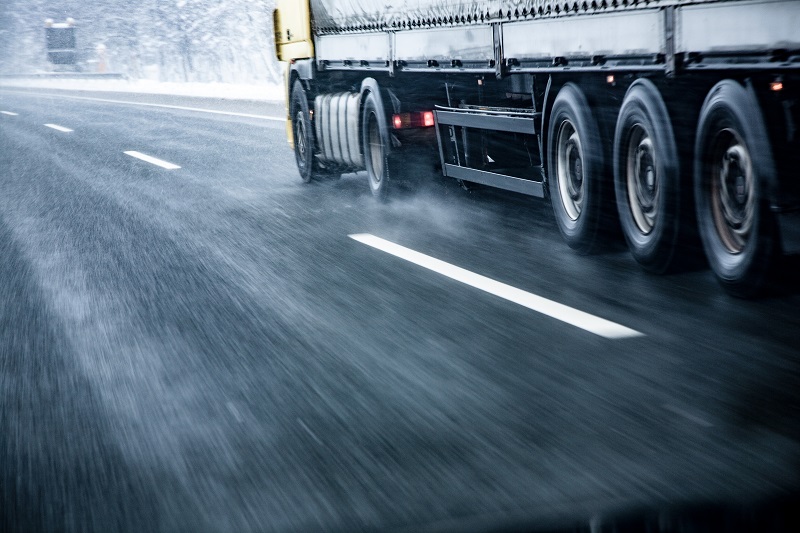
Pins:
x,y
168,40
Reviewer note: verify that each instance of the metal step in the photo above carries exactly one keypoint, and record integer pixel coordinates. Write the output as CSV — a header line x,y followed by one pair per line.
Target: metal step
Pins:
x,y
493,179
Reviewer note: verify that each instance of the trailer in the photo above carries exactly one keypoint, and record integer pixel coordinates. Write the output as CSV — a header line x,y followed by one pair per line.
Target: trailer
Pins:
x,y
674,120
60,43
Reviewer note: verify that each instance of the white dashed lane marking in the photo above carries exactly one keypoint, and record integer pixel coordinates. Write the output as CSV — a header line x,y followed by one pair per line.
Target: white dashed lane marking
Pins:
x,y
59,128
9,113
152,160
593,324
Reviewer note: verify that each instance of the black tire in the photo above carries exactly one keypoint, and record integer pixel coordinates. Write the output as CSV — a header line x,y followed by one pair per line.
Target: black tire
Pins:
x,y
304,141
576,170
733,170
383,169
647,177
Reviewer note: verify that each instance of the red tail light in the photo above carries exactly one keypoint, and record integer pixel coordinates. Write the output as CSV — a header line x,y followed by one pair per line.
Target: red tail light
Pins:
x,y
422,119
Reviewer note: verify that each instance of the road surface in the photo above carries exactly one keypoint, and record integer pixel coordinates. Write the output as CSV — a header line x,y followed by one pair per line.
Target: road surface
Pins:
x,y
191,339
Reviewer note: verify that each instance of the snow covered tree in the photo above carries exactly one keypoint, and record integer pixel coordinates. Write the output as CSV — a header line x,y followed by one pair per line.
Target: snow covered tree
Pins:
x,y
175,40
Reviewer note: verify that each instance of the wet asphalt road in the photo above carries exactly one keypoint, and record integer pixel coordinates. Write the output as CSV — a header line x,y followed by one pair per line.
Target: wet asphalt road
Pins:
x,y
205,349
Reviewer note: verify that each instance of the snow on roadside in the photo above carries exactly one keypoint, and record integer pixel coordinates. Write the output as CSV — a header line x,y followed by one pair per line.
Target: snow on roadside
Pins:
x,y
272,92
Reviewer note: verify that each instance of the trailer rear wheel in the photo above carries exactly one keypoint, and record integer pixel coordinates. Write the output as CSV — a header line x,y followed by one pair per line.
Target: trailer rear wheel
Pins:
x,y
733,169
304,142
576,169
646,177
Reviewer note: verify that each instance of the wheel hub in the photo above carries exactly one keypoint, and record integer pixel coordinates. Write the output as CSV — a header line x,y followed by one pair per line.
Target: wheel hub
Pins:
x,y
733,195
575,167
642,179
569,157
300,139
733,175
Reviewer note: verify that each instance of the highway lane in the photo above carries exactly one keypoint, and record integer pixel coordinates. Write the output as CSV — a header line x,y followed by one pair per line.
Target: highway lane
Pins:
x,y
206,348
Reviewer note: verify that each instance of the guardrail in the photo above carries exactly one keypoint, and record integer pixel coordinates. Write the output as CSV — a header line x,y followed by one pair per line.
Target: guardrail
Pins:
x,y
68,75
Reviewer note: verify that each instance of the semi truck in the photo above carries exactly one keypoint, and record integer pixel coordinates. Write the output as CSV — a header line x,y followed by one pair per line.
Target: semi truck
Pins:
x,y
674,121
60,43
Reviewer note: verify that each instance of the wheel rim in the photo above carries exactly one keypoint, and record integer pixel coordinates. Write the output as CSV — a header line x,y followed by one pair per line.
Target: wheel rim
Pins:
x,y
642,179
569,157
375,149
732,190
300,139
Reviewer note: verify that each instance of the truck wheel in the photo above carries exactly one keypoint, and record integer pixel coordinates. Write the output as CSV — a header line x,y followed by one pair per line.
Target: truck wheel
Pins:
x,y
576,169
303,133
647,177
733,168
382,169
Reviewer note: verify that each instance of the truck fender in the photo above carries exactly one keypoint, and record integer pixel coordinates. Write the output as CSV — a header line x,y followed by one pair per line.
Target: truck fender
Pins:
x,y
370,86
304,69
